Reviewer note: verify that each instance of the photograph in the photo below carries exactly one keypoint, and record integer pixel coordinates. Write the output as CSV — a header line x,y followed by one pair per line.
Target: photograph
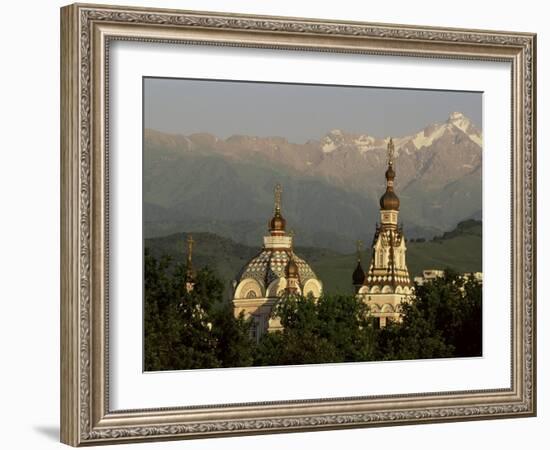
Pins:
x,y
290,224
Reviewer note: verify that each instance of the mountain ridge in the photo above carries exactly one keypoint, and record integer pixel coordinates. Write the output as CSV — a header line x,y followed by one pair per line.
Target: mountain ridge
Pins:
x,y
231,180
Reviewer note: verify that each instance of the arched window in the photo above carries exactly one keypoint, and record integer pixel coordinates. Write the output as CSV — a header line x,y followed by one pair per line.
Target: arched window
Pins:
x,y
386,289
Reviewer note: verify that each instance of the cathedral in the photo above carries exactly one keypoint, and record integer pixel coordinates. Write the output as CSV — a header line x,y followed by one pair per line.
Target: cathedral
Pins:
x,y
276,270
386,283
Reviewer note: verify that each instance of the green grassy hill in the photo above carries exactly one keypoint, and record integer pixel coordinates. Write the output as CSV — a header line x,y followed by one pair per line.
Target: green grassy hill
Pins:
x,y
459,249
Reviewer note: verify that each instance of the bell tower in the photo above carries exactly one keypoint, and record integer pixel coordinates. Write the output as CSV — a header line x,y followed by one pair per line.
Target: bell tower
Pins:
x,y
386,283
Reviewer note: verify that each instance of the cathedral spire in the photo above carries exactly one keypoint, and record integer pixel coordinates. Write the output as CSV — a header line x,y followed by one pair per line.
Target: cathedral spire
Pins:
x,y
389,201
391,152
278,191
386,283
190,243
190,272
277,224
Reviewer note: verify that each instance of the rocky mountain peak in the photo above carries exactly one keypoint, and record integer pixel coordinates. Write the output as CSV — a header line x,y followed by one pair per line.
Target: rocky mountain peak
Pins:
x,y
460,121
439,174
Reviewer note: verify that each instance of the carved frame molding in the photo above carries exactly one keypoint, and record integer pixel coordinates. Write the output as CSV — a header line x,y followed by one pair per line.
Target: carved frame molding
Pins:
x,y
86,31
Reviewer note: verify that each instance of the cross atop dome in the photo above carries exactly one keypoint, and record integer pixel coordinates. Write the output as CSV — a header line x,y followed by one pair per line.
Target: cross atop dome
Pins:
x,y
190,273
278,191
277,224
389,201
391,152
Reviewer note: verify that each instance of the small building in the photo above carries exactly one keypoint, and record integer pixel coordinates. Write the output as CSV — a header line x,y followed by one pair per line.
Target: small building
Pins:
x,y
432,274
429,275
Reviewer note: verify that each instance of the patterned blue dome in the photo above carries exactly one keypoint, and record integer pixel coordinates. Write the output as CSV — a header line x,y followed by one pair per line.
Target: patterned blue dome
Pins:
x,y
270,264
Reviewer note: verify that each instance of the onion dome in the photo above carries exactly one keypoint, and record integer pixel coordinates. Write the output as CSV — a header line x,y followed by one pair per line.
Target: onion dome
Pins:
x,y
271,264
277,223
292,268
358,275
389,201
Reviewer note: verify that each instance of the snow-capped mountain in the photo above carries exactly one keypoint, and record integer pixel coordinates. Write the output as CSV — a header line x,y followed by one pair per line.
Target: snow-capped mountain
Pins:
x,y
438,169
336,139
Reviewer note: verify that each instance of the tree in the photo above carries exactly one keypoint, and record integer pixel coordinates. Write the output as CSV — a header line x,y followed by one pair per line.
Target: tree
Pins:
x,y
234,345
190,330
443,319
328,329
345,321
158,295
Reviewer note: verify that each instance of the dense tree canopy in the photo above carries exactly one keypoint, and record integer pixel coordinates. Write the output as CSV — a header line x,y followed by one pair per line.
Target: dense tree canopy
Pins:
x,y
197,329
190,330
330,329
442,320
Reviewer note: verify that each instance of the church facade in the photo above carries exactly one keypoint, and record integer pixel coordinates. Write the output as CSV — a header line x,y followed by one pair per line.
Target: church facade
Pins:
x,y
274,271
386,283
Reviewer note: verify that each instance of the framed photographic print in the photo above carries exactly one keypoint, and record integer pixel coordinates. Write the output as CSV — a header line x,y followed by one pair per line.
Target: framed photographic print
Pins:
x,y
275,224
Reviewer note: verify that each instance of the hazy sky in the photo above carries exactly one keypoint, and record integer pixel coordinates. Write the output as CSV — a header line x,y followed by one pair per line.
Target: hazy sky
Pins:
x,y
297,112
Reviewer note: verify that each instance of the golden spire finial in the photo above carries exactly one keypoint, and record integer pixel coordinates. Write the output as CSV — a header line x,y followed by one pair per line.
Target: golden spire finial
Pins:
x,y
291,233
190,243
391,152
359,245
278,192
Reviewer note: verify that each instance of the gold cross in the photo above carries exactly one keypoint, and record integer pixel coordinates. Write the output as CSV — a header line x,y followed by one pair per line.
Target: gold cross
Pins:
x,y
391,151
278,191
190,243
359,245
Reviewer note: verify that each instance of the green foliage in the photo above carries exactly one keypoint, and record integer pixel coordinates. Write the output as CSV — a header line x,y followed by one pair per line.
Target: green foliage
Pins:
x,y
442,320
327,330
198,329
234,345
189,330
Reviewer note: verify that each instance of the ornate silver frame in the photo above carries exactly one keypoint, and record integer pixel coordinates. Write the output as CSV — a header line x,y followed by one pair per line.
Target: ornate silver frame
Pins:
x,y
86,31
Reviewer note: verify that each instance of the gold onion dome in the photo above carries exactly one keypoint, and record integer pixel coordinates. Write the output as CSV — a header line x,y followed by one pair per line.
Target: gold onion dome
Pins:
x,y
277,223
292,270
389,201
